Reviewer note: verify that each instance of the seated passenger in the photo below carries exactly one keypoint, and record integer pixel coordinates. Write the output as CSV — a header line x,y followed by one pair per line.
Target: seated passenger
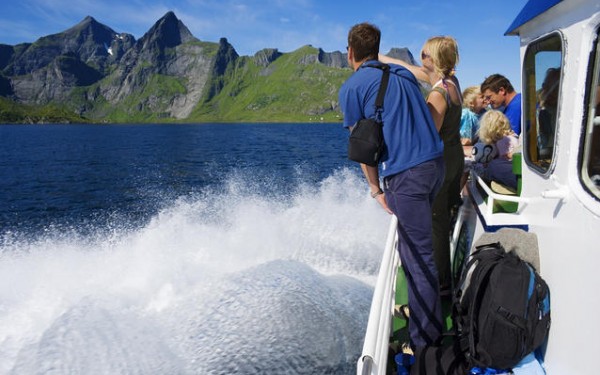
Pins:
x,y
494,129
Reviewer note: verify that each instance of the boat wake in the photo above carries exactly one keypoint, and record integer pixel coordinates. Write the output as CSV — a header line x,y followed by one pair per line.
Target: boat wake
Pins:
x,y
236,282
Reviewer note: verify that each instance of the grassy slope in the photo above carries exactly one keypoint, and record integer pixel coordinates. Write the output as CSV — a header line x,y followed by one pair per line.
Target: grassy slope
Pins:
x,y
284,91
11,112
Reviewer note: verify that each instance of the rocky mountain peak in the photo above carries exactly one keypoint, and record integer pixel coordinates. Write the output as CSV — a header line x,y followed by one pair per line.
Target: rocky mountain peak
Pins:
x,y
167,32
89,30
266,56
403,54
88,41
88,21
334,59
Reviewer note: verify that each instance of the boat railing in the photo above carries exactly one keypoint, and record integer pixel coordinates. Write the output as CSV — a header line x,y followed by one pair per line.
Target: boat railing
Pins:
x,y
492,195
484,198
373,359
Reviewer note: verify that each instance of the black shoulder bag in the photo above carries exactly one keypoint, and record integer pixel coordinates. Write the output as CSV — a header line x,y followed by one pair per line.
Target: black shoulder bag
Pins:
x,y
366,144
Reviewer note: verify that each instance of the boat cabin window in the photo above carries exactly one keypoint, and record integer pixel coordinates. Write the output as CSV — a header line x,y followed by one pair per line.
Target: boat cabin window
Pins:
x,y
590,172
542,79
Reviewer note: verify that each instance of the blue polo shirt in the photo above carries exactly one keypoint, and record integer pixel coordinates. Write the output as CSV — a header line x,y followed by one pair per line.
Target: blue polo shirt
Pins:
x,y
408,128
513,112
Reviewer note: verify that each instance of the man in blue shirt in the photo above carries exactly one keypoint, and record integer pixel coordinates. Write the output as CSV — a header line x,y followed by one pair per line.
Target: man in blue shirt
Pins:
x,y
498,92
412,168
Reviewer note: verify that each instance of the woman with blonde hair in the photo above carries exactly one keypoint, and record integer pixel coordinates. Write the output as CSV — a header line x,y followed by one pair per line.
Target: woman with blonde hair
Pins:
x,y
439,57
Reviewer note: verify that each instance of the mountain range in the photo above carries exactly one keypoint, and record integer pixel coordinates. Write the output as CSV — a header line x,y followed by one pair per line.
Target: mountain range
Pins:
x,y
92,73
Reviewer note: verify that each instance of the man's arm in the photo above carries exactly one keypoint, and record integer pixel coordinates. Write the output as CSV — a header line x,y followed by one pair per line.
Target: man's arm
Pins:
x,y
372,176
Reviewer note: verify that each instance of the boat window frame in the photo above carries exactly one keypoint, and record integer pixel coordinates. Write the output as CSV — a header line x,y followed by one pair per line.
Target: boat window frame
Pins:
x,y
591,112
530,115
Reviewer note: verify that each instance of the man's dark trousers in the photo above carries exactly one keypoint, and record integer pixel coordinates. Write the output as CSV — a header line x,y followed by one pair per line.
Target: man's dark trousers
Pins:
x,y
409,195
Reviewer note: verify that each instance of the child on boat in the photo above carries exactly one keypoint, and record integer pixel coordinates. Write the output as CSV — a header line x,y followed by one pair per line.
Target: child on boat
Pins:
x,y
473,109
495,131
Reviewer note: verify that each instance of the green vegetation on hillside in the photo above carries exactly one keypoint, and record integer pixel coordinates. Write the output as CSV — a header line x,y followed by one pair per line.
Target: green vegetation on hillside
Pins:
x,y
295,87
15,113
158,91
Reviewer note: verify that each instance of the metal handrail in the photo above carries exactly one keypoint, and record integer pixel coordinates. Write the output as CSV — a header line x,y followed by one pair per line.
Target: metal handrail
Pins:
x,y
375,348
496,196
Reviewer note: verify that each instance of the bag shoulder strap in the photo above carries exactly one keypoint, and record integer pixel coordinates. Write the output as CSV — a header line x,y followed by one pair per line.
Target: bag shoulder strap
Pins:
x,y
382,86
477,271
385,77
480,282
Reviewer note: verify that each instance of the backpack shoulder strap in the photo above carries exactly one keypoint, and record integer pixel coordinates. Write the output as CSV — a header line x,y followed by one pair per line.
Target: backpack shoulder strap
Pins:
x,y
480,267
481,278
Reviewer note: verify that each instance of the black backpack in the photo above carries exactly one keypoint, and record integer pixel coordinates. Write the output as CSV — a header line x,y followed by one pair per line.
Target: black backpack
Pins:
x,y
501,307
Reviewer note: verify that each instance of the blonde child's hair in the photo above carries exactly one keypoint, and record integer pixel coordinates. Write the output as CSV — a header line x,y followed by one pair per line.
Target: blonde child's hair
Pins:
x,y
470,94
493,126
443,51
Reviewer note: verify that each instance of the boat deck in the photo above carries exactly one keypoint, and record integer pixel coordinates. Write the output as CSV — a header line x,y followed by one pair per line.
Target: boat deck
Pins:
x,y
399,333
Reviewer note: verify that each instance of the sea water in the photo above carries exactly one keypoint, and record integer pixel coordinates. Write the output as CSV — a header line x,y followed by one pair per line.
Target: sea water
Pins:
x,y
184,249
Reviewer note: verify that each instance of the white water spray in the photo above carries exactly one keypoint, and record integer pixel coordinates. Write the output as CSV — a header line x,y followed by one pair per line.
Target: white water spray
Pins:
x,y
235,282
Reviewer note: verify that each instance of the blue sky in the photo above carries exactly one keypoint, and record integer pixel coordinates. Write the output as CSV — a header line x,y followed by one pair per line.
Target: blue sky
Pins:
x,y
250,25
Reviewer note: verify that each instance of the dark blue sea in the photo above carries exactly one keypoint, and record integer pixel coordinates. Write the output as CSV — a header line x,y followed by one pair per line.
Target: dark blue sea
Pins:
x,y
184,249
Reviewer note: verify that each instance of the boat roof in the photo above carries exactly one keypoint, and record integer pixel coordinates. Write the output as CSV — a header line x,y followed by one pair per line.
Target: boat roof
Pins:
x,y
532,9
